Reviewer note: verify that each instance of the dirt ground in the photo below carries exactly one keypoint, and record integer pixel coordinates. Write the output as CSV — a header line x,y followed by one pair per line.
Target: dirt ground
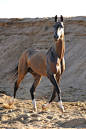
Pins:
x,y
17,35
20,114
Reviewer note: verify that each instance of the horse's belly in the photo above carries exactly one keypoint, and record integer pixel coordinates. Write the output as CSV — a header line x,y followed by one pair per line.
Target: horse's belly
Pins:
x,y
39,68
38,64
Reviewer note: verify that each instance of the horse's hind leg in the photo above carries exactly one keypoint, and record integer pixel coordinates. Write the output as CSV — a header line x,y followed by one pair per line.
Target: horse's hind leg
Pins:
x,y
20,78
37,79
22,71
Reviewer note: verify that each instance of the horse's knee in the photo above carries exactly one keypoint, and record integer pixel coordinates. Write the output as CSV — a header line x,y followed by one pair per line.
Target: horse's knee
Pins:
x,y
58,80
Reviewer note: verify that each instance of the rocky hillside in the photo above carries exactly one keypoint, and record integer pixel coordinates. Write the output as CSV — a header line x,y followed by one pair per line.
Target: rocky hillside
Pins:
x,y
17,35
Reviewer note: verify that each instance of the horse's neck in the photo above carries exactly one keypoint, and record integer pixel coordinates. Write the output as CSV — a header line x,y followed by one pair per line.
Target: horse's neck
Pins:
x,y
59,48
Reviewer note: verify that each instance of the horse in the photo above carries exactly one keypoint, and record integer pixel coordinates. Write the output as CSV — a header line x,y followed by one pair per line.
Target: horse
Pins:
x,y
41,63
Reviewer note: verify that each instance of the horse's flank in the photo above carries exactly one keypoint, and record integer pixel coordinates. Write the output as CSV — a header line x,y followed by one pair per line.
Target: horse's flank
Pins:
x,y
38,63
35,60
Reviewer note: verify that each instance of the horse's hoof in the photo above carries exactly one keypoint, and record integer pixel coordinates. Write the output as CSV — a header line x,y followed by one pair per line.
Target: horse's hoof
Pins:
x,y
34,109
11,101
61,109
45,106
61,106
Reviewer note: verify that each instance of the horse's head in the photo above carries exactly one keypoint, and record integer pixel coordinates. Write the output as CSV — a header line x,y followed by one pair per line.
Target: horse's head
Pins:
x,y
58,28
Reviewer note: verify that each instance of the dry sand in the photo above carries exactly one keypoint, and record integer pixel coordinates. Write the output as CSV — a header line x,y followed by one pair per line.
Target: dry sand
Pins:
x,y
20,115
17,35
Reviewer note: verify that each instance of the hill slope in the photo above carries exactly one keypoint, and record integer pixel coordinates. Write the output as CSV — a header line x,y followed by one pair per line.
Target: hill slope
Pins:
x,y
17,35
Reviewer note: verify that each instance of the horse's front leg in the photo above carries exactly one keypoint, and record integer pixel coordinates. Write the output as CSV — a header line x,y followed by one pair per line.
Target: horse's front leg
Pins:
x,y
56,92
62,65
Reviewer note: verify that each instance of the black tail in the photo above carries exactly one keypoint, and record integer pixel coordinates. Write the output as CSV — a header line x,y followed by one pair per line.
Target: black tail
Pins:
x,y
13,74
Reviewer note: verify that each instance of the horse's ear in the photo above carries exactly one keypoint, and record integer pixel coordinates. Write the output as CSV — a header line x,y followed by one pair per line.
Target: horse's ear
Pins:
x,y
61,18
56,18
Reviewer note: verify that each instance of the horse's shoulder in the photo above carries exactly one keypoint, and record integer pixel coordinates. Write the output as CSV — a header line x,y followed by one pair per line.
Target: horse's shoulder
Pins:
x,y
51,55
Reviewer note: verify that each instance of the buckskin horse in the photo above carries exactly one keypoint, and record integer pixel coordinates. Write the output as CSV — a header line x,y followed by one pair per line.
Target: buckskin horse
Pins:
x,y
41,63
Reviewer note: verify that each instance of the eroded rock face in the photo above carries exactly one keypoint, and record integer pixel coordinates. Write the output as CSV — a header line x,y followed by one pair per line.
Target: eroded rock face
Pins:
x,y
17,35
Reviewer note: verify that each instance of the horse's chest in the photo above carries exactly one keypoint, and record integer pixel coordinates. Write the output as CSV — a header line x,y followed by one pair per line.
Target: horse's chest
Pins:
x,y
53,60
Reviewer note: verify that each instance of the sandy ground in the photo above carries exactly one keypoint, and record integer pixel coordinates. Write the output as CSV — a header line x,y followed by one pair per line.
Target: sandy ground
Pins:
x,y
20,114
17,35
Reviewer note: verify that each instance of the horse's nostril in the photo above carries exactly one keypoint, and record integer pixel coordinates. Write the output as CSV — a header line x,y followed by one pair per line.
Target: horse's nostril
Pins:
x,y
56,37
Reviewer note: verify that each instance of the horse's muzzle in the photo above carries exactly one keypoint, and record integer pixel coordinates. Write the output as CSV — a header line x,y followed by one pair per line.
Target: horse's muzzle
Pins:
x,y
56,37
